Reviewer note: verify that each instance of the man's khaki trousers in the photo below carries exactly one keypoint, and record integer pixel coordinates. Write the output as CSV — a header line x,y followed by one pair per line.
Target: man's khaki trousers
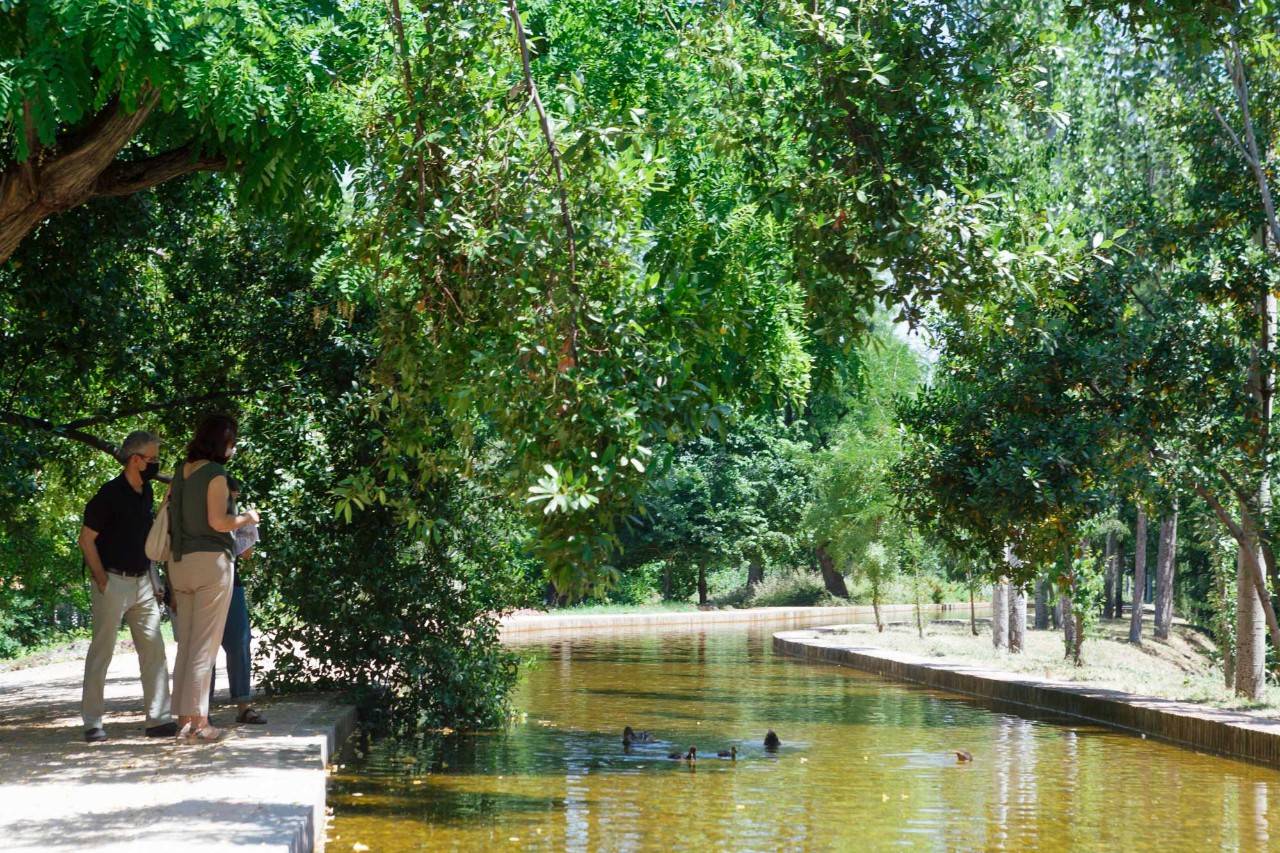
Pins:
x,y
134,600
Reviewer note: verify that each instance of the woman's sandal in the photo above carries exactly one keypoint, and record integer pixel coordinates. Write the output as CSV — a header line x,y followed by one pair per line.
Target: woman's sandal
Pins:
x,y
206,734
251,716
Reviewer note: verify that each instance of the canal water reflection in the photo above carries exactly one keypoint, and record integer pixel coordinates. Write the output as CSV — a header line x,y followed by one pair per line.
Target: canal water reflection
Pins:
x,y
865,764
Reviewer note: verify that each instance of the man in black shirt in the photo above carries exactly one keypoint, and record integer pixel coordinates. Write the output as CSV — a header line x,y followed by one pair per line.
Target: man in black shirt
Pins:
x,y
113,540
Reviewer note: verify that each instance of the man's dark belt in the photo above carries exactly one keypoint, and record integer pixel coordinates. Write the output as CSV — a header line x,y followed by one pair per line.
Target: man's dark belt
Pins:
x,y
125,574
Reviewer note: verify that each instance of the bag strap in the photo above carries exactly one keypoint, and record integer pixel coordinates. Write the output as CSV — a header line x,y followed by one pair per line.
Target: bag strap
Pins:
x,y
174,499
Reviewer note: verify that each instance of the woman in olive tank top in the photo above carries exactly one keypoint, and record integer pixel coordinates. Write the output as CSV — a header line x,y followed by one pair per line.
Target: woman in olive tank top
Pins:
x,y
201,569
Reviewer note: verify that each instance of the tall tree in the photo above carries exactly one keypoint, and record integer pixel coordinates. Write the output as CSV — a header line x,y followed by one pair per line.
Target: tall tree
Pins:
x,y
1042,604
1223,54
1017,618
1166,564
1111,577
1000,614
1250,652
1139,577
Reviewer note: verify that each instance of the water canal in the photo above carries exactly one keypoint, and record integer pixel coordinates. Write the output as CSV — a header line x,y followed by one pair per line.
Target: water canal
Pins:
x,y
865,764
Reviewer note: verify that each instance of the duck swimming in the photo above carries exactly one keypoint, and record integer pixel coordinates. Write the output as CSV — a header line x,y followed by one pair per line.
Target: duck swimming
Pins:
x,y
771,741
629,736
963,755
690,756
731,753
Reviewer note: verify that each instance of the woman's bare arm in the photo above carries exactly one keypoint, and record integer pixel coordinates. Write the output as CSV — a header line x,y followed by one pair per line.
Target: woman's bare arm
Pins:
x,y
219,519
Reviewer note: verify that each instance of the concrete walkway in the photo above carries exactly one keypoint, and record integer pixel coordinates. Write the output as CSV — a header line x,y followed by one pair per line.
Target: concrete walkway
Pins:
x,y
1200,727
262,788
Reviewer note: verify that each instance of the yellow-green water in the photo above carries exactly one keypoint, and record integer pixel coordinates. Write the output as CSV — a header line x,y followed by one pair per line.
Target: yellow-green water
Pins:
x,y
866,764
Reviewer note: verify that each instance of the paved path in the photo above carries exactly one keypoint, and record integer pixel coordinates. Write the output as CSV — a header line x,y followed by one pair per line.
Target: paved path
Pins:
x,y
261,788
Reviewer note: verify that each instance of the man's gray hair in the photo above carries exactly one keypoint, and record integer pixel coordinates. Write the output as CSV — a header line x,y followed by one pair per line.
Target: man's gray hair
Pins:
x,y
136,442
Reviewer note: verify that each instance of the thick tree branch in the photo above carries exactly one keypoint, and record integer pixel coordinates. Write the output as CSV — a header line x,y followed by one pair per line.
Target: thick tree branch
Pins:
x,y
69,178
50,181
1240,83
175,403
126,178
1234,137
27,422
74,430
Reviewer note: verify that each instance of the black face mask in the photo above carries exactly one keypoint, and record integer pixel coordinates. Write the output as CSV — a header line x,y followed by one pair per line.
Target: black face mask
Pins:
x,y
151,471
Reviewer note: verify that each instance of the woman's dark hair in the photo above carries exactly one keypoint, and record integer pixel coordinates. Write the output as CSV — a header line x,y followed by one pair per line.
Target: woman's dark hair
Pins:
x,y
212,437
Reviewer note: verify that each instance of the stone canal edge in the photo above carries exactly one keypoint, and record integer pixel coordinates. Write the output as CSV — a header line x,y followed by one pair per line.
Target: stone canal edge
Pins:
x,y
1199,727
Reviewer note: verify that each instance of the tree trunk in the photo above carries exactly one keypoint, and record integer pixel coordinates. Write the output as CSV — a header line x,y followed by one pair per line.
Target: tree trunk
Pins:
x,y
1253,603
1042,604
1251,643
1017,618
1000,614
702,585
1077,656
1068,626
831,579
875,606
1110,594
919,615
1139,578
755,571
1166,559
973,610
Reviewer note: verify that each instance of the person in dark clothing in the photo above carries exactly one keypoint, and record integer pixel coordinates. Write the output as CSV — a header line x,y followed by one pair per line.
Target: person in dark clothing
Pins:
x,y
112,539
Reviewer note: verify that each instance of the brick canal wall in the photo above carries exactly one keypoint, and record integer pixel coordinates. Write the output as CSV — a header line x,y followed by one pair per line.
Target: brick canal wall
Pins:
x,y
1186,724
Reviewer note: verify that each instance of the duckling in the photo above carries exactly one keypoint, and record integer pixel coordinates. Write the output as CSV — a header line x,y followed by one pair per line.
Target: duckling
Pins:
x,y
963,755
731,753
691,755
771,741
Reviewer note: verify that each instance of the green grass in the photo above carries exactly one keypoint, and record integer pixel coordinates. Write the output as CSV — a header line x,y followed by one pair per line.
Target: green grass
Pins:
x,y
68,647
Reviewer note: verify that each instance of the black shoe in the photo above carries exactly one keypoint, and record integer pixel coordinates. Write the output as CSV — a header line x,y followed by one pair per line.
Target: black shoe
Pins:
x,y
97,735
162,730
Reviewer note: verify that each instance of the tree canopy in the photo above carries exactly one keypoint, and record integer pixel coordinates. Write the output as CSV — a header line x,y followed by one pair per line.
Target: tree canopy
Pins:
x,y
507,292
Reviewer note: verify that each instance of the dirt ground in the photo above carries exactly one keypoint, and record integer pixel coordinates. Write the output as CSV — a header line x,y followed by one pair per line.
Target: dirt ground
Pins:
x,y
1186,667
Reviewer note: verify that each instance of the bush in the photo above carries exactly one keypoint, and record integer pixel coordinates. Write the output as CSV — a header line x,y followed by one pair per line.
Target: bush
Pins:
x,y
738,596
44,593
791,589
407,628
641,585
